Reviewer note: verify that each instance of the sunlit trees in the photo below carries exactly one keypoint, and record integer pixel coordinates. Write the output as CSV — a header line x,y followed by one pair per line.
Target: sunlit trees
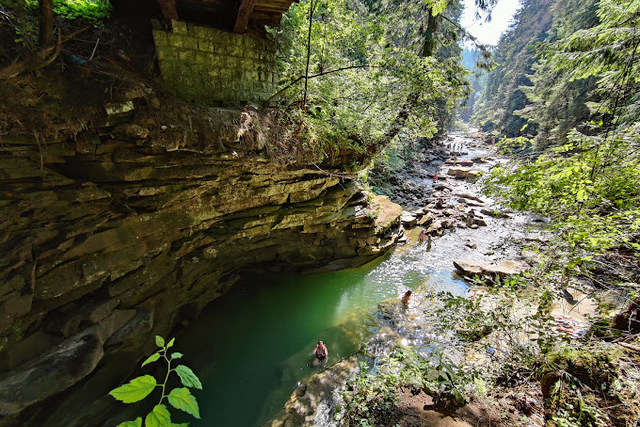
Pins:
x,y
376,69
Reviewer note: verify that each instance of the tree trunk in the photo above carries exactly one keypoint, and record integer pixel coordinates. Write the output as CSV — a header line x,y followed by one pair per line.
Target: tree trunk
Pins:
x,y
428,49
429,44
46,23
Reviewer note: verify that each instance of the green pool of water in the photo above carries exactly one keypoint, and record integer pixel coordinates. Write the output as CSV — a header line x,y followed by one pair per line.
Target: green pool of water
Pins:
x,y
253,345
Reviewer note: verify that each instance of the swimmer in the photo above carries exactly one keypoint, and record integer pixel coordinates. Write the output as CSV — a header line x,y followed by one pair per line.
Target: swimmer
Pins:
x,y
321,353
405,299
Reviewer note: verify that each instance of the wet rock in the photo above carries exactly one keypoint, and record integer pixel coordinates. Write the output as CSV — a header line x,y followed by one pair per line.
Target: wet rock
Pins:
x,y
314,403
494,213
471,197
408,220
155,227
464,173
470,202
426,219
540,219
469,267
479,222
68,321
435,228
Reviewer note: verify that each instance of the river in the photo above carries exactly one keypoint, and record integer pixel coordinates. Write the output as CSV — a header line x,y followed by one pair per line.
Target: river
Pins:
x,y
252,346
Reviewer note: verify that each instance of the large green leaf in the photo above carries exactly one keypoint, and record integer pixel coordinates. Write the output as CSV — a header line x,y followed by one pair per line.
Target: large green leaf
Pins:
x,y
159,417
170,343
135,423
181,398
159,341
154,357
136,390
188,378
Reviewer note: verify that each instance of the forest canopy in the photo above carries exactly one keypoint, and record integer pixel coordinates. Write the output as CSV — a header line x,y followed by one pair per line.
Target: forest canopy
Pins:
x,y
578,101
361,73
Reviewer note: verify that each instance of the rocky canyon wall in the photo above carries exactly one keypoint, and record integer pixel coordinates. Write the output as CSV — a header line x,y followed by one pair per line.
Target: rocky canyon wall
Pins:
x,y
130,227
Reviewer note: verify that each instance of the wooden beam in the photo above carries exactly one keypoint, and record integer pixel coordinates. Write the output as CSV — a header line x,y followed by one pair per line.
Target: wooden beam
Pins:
x,y
244,12
168,8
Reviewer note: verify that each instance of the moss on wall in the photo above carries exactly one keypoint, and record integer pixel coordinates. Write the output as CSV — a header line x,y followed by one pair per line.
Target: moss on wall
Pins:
x,y
216,67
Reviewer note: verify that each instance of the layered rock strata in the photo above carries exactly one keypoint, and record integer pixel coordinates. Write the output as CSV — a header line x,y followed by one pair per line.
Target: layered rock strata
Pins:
x,y
111,238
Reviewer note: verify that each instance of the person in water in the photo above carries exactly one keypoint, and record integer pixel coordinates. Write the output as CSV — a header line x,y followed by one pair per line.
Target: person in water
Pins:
x,y
405,299
321,353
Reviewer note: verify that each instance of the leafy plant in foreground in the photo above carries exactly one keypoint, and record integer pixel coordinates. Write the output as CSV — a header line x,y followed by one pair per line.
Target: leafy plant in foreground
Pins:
x,y
180,397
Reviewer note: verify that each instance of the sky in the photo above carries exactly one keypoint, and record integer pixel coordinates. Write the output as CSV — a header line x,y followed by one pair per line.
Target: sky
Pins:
x,y
489,32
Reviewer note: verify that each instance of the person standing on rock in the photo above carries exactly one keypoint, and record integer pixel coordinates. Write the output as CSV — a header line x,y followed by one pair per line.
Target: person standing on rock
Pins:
x,y
435,178
321,353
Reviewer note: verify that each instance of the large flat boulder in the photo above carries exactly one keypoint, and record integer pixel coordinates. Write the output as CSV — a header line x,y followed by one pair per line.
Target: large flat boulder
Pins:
x,y
476,267
464,173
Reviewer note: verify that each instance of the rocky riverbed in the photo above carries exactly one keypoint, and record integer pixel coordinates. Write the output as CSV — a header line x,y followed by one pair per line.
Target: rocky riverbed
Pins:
x,y
454,228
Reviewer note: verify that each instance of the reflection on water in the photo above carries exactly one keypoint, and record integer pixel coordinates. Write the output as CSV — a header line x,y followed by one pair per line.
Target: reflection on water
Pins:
x,y
253,345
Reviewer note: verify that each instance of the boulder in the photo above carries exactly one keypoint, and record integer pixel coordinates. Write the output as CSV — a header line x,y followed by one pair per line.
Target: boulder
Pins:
x,y
426,219
464,173
484,268
56,371
470,197
408,219
60,368
479,222
435,227
494,213
470,202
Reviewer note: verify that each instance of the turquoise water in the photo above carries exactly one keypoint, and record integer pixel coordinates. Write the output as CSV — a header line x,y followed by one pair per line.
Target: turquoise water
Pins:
x,y
253,345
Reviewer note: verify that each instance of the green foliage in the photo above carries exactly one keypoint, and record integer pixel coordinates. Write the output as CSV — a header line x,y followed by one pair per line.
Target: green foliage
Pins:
x,y
22,16
136,390
89,10
577,383
180,398
590,191
366,83
371,395
502,96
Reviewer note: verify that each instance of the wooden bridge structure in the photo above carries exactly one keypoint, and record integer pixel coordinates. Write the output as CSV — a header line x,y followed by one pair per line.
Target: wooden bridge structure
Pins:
x,y
231,15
